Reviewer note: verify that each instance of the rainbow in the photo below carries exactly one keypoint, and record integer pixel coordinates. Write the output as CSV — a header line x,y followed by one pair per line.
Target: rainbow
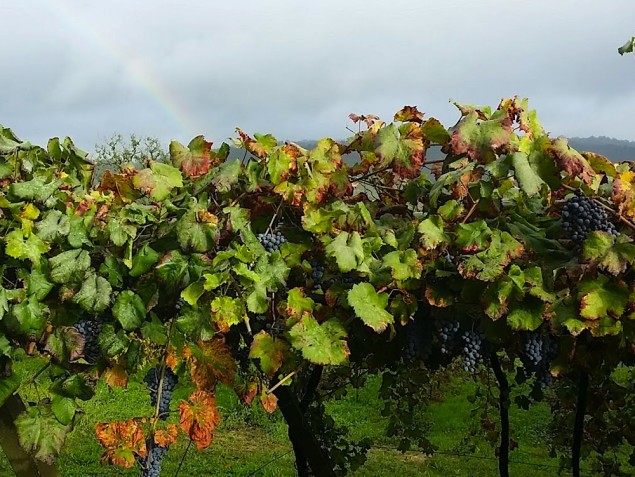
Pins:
x,y
139,71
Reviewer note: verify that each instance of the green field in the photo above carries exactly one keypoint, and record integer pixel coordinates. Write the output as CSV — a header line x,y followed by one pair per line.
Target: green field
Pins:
x,y
248,439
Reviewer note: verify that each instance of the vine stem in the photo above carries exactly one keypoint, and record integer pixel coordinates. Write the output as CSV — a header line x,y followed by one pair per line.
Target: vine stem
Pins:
x,y
578,428
282,381
176,474
503,408
162,375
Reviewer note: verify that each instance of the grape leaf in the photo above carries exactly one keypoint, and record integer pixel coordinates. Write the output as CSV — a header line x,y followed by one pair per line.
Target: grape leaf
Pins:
x,y
370,306
40,433
211,361
30,316
270,351
227,312
194,234
432,232
571,161
122,442
69,266
599,297
129,310
199,418
158,180
323,344
481,140
404,264
195,160
54,225
94,295
143,261
31,248
63,408
529,180
611,255
527,315
347,249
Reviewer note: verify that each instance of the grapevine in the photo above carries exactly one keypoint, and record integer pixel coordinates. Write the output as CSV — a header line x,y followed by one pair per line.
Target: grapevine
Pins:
x,y
515,249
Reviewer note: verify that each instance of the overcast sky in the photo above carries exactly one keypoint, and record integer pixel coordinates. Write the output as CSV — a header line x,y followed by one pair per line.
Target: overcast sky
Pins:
x,y
297,68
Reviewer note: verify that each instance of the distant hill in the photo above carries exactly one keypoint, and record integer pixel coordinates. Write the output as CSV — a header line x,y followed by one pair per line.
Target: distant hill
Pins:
x,y
614,149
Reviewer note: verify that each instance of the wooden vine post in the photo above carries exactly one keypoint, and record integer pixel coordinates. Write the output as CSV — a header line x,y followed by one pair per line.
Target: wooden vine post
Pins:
x,y
503,408
578,428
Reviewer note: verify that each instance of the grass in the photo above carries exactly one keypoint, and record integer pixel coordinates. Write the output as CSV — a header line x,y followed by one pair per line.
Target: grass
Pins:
x,y
248,438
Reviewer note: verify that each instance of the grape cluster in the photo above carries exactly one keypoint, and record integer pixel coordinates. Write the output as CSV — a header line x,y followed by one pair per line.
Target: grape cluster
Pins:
x,y
275,329
317,275
581,216
448,331
472,350
170,381
151,465
272,241
418,342
89,331
538,352
180,303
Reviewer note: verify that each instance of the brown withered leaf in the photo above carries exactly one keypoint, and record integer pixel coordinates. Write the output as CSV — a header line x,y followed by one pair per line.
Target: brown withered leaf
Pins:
x,y
166,437
199,417
116,376
269,401
209,362
121,441
571,161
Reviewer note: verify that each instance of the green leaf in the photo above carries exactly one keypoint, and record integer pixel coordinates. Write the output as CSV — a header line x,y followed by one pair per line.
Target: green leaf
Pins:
x,y
627,47
30,316
36,189
193,292
347,249
119,232
227,311
370,306
114,270
31,248
112,343
173,271
39,286
94,295
529,180
432,232
158,180
129,310
473,236
297,304
63,408
323,344
271,352
155,331
214,280
566,314
480,140
611,255
404,264
195,235
143,261
227,175
78,234
40,433
74,386
527,315
69,266
278,166
599,297
54,225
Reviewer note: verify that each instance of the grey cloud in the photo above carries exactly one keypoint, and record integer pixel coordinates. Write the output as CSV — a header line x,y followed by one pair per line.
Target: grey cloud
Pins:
x,y
297,69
